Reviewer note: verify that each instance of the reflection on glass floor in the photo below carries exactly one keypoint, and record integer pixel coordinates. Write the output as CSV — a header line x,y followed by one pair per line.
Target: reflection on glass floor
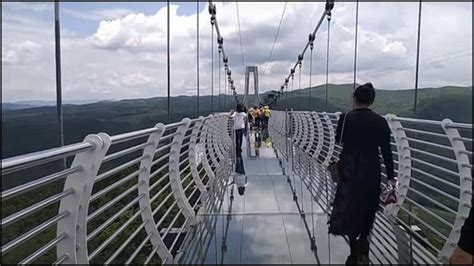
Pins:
x,y
264,225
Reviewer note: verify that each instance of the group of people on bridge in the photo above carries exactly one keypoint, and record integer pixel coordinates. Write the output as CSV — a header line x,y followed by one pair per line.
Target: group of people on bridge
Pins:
x,y
256,117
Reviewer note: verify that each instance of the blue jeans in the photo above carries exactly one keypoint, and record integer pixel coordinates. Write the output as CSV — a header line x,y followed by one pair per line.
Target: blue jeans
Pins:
x,y
239,135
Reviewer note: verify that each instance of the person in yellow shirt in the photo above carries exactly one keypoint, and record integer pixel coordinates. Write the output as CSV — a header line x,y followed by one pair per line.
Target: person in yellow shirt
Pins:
x,y
266,115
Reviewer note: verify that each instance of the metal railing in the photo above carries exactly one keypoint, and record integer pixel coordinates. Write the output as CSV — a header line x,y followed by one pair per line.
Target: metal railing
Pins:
x,y
433,161
129,198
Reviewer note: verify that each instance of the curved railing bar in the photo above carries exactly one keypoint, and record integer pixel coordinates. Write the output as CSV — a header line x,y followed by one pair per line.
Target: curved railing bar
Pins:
x,y
174,172
465,186
193,160
144,189
75,224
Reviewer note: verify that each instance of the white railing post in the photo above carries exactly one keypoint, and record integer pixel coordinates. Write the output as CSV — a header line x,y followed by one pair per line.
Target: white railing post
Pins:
x,y
217,154
210,141
217,138
224,143
174,172
311,134
77,204
320,140
144,191
332,140
299,129
289,143
304,130
193,158
204,140
465,186
404,161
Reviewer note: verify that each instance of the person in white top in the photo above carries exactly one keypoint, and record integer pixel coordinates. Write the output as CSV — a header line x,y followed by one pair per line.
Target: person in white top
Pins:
x,y
240,119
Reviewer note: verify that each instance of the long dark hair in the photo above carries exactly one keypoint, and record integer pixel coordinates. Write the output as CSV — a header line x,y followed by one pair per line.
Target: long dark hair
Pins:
x,y
239,108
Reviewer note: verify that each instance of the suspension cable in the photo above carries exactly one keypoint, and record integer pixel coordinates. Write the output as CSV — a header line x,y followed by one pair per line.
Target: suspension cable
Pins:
x,y
59,94
417,68
292,88
197,55
226,91
327,61
269,59
327,12
299,84
212,65
240,36
212,12
311,44
355,43
219,71
168,59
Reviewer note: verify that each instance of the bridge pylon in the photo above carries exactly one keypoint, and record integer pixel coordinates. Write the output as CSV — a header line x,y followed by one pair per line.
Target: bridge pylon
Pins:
x,y
254,70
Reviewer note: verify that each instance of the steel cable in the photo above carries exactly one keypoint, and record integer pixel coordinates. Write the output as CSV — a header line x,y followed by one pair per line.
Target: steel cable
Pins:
x,y
269,59
240,36
219,71
310,76
417,67
292,91
299,85
168,59
197,55
327,63
355,43
59,95
212,68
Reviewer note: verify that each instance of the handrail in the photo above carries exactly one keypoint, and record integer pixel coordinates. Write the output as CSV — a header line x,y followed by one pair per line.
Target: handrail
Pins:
x,y
21,162
140,183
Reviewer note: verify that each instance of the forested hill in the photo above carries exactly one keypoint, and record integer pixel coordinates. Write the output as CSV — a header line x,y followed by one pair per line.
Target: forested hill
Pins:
x,y
433,103
34,129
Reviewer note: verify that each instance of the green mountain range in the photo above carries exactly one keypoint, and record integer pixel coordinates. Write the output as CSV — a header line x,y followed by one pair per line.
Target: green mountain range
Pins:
x,y
433,103
33,129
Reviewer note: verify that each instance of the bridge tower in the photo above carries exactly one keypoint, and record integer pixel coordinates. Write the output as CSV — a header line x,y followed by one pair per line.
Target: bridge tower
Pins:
x,y
254,70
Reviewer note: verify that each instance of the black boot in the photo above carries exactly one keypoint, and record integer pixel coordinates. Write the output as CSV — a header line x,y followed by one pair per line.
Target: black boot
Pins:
x,y
363,251
352,258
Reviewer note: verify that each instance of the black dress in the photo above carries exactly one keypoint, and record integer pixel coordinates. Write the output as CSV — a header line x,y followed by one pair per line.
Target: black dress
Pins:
x,y
357,195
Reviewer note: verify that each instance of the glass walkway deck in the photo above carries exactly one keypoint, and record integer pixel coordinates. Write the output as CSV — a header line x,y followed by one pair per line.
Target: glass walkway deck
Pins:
x,y
264,225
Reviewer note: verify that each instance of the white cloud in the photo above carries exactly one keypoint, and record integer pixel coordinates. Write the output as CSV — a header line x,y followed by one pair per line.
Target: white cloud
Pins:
x,y
32,6
29,47
9,56
98,15
126,56
395,48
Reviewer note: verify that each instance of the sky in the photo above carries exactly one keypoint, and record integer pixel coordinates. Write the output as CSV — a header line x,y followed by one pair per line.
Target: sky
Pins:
x,y
118,50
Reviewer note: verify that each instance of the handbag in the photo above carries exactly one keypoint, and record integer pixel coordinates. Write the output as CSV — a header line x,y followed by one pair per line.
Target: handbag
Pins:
x,y
335,166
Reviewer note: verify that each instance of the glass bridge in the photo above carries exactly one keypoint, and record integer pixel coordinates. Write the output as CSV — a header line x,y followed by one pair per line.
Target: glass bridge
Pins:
x,y
173,194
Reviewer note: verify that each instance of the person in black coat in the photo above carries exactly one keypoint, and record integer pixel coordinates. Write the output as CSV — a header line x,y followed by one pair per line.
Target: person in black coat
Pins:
x,y
364,136
464,252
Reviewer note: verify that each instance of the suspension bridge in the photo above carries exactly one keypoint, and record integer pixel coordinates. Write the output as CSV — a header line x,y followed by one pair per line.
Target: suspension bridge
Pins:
x,y
166,194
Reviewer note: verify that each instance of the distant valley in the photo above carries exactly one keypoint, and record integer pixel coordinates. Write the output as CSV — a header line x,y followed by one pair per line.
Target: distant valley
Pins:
x,y
32,104
31,129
